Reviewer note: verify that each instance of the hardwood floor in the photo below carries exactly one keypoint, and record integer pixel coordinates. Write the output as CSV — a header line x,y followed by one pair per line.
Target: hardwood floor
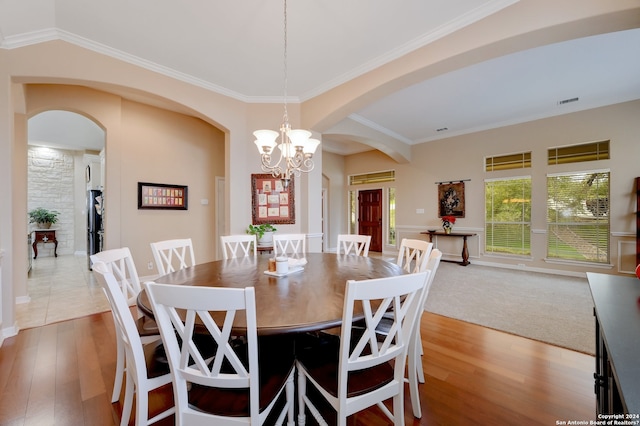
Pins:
x,y
62,374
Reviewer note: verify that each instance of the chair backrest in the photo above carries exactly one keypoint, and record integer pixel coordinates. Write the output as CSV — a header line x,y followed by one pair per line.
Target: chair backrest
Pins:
x,y
414,255
398,295
286,244
173,255
358,244
125,324
240,245
187,363
119,262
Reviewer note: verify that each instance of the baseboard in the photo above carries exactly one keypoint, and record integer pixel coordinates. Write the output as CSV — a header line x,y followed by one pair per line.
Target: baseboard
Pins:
x,y
22,299
8,332
529,269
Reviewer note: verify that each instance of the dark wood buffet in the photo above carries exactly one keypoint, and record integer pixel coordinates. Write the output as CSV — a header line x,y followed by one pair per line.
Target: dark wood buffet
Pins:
x,y
617,311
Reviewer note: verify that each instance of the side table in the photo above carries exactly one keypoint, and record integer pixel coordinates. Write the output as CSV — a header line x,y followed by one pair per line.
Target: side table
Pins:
x,y
44,236
463,235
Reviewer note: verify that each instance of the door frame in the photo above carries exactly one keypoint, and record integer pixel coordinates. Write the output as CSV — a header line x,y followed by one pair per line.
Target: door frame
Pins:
x,y
385,213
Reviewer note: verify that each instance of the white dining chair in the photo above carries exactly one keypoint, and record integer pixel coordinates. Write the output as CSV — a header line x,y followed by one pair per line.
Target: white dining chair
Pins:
x,y
354,372
240,245
120,263
144,372
415,372
354,243
415,350
414,255
289,244
234,388
173,255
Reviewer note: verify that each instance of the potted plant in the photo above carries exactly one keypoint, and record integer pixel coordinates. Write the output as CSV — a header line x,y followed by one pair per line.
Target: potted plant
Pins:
x,y
43,218
263,232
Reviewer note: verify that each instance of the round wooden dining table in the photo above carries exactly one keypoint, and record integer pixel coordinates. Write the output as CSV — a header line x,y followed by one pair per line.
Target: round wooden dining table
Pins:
x,y
308,300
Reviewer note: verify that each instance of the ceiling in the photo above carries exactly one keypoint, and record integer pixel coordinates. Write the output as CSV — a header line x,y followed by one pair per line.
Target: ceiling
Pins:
x,y
236,48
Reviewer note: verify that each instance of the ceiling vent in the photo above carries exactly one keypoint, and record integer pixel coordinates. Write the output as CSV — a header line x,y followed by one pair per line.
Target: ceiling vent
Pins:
x,y
567,101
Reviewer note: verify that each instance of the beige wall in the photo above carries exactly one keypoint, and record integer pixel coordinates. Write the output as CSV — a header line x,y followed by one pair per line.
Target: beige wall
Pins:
x,y
334,184
169,148
148,144
526,24
462,157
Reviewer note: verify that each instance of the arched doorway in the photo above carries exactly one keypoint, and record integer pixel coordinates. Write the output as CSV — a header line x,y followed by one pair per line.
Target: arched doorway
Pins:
x,y
65,161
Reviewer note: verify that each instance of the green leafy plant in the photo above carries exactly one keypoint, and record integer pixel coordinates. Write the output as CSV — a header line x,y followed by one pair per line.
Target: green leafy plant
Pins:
x,y
42,215
259,230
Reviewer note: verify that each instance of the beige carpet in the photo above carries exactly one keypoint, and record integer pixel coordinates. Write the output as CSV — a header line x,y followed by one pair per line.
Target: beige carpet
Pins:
x,y
550,308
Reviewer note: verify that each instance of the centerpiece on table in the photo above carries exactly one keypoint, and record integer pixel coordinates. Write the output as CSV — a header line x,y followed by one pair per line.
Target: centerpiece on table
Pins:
x,y
447,223
263,232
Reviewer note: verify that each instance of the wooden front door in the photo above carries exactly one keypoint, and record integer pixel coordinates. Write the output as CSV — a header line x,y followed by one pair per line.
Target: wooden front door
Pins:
x,y
370,216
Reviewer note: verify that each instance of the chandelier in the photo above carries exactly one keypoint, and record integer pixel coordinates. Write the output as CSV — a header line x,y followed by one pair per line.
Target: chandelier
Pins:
x,y
295,145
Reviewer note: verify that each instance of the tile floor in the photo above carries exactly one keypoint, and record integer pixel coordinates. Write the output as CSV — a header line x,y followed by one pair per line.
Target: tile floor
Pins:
x,y
60,288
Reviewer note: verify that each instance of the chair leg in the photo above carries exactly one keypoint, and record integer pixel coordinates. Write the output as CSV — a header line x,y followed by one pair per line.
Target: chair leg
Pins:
x,y
142,406
290,395
302,389
419,370
398,409
128,402
117,382
414,360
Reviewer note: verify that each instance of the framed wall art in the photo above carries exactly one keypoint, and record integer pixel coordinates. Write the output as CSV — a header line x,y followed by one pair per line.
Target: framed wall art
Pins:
x,y
162,196
451,199
271,202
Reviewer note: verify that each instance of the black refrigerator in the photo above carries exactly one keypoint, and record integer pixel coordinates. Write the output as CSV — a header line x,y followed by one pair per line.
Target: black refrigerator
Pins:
x,y
95,209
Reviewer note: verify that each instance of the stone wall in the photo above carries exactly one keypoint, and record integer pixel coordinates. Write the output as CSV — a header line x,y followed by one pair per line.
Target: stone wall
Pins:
x,y
51,185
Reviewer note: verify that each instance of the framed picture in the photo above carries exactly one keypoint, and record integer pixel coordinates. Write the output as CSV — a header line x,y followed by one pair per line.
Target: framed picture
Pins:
x,y
451,199
161,196
271,202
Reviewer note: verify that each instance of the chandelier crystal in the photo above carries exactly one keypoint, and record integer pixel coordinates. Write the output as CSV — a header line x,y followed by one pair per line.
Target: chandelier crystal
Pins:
x,y
295,146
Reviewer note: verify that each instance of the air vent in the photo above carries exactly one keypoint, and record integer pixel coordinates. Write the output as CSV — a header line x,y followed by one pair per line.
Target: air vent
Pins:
x,y
567,101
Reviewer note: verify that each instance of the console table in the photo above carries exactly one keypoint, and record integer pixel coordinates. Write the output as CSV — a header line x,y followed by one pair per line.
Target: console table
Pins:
x,y
617,310
463,235
44,236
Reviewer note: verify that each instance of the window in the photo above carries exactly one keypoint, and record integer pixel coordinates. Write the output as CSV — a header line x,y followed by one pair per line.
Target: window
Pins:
x,y
576,153
578,216
506,162
391,236
376,177
353,212
508,216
